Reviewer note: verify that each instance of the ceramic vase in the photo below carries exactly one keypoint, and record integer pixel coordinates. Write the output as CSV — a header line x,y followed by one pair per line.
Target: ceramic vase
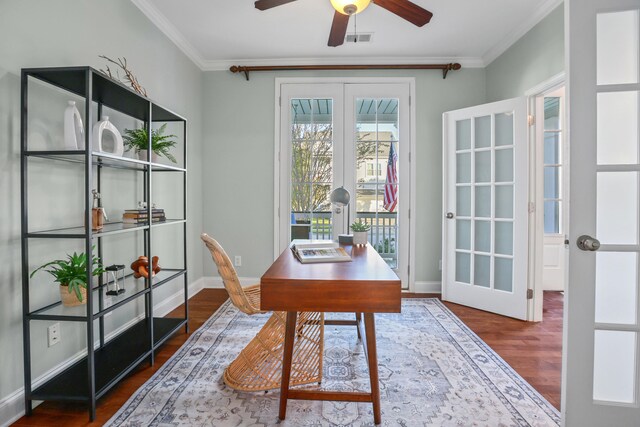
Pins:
x,y
73,128
107,138
359,237
142,155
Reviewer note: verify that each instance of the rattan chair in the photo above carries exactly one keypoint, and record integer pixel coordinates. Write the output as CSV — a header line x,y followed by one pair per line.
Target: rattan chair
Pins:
x,y
258,367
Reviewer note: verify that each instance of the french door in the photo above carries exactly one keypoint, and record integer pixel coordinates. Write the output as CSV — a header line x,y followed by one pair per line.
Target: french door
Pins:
x,y
485,223
355,136
602,322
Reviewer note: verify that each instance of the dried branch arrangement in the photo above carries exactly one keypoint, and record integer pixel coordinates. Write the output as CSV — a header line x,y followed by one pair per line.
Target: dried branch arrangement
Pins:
x,y
129,77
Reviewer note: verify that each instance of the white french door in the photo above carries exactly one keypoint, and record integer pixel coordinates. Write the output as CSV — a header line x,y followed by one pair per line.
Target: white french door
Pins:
x,y
352,135
601,363
485,225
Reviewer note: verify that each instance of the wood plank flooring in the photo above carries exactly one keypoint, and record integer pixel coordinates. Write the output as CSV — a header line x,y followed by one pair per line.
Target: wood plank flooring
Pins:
x,y
532,349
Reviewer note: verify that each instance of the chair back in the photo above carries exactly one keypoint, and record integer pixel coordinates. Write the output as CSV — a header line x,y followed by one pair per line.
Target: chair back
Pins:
x,y
229,276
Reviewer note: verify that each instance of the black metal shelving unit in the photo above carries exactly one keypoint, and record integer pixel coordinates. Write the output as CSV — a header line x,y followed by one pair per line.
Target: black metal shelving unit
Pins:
x,y
105,365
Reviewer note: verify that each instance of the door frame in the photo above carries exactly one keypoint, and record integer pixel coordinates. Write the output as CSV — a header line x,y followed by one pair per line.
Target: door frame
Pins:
x,y
536,194
411,81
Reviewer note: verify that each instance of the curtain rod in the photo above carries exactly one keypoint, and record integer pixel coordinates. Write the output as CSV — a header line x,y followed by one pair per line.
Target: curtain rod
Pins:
x,y
444,67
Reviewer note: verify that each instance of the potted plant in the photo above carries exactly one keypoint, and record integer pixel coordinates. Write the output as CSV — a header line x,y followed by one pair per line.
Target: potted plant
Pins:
x,y
360,230
71,274
138,141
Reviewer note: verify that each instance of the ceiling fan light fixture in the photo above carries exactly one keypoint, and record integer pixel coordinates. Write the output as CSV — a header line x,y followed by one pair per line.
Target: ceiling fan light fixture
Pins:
x,y
350,7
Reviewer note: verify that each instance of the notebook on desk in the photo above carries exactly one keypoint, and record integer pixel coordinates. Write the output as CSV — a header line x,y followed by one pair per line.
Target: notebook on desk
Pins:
x,y
315,251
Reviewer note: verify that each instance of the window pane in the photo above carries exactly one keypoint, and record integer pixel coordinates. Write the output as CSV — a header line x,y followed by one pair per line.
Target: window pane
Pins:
x,y
504,165
504,238
552,113
504,129
551,182
463,234
617,207
483,201
483,166
483,132
463,134
463,168
463,201
616,287
504,201
617,47
463,267
482,236
551,217
614,373
503,271
617,141
482,270
552,148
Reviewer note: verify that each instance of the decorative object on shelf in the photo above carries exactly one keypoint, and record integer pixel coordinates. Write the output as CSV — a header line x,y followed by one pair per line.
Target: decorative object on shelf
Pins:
x,y
117,274
98,214
71,274
341,198
107,137
140,267
73,128
138,141
129,78
360,231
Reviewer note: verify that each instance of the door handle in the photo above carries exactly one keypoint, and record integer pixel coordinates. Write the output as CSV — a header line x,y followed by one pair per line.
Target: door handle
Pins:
x,y
450,215
588,243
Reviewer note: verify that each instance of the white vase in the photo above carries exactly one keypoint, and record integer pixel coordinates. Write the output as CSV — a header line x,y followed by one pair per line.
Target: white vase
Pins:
x,y
73,128
359,237
107,138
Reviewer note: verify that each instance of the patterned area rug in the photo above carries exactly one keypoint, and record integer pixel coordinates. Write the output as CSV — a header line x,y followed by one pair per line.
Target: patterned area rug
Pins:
x,y
433,372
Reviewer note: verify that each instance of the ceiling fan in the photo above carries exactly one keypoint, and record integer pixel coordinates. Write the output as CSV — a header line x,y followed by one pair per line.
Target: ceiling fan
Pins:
x,y
345,8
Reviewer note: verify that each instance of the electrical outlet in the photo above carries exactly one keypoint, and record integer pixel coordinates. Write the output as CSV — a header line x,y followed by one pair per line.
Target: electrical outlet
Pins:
x,y
440,265
53,334
237,261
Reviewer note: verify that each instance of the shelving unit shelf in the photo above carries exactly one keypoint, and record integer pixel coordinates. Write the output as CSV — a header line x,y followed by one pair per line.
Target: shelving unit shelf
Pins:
x,y
107,359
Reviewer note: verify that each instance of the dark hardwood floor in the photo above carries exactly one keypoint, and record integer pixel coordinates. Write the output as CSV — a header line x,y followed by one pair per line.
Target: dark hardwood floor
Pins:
x,y
534,350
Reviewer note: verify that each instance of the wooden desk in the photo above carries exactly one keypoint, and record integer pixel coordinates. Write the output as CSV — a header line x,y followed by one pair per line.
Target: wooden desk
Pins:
x,y
364,285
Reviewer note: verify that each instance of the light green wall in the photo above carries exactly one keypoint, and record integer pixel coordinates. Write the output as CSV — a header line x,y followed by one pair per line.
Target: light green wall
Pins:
x,y
239,152
536,57
63,33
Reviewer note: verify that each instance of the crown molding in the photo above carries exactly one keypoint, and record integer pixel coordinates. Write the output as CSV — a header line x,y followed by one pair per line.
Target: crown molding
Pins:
x,y
538,15
467,62
164,25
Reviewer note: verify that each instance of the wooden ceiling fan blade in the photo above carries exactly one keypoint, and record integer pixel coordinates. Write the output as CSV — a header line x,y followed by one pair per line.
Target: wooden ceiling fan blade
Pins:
x,y
268,4
406,10
338,29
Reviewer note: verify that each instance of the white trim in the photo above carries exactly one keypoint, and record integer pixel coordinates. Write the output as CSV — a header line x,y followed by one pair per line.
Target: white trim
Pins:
x,y
169,30
427,287
550,84
225,64
506,42
12,406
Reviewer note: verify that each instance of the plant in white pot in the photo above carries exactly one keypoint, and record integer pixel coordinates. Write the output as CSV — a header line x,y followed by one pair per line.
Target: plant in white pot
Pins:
x,y
360,231
71,274
138,141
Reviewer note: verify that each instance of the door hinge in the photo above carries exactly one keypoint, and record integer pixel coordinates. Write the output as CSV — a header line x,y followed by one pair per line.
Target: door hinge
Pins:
x,y
531,119
529,293
532,207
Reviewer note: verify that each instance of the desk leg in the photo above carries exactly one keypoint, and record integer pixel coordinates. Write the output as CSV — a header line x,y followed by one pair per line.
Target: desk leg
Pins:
x,y
372,355
287,356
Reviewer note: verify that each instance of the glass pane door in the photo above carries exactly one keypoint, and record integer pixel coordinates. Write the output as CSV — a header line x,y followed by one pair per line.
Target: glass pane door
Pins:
x,y
377,184
312,165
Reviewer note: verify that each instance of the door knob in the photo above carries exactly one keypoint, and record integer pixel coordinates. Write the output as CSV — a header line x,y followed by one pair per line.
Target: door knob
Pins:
x,y
588,243
450,215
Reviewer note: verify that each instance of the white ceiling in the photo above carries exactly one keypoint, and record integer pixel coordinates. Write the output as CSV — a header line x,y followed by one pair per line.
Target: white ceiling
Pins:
x,y
216,34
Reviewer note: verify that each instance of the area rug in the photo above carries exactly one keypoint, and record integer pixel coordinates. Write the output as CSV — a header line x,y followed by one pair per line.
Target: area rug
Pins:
x,y
434,371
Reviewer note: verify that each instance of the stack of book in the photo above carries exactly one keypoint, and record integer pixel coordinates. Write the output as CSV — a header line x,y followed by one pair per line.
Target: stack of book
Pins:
x,y
141,216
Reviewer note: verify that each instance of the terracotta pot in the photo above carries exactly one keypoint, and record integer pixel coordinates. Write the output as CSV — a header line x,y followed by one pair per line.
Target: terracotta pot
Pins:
x,y
70,299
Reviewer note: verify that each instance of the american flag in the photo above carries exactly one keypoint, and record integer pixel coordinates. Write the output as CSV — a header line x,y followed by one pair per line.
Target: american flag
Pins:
x,y
391,184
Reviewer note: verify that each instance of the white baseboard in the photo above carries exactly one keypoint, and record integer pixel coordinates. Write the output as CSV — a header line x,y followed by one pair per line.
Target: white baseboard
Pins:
x,y
427,287
215,282
12,406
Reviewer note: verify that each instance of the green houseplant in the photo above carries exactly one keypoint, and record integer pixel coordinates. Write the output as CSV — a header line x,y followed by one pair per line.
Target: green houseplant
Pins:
x,y
71,274
360,230
138,140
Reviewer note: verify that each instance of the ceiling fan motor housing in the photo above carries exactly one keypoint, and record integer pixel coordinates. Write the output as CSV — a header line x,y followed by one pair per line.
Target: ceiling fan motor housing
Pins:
x,y
350,7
